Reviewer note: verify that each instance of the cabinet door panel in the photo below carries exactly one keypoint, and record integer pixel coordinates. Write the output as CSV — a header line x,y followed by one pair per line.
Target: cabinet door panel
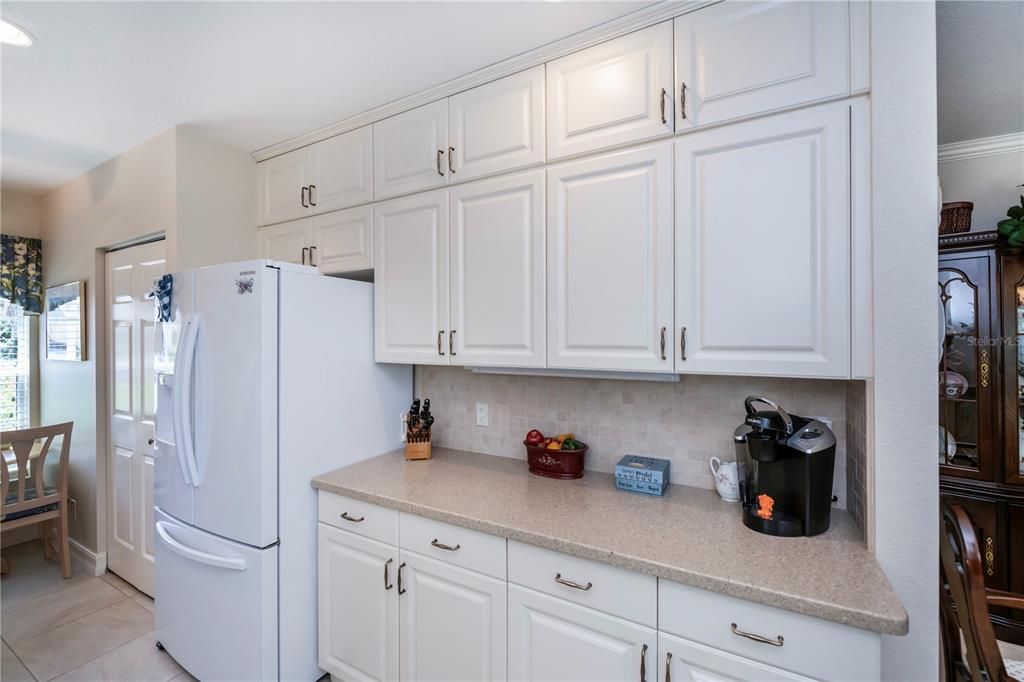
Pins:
x,y
344,240
686,661
453,622
498,126
497,294
610,261
611,94
552,639
285,242
357,615
342,171
410,255
281,181
763,246
410,151
739,59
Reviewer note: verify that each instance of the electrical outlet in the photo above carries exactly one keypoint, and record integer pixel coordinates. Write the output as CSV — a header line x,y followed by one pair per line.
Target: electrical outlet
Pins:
x,y
481,414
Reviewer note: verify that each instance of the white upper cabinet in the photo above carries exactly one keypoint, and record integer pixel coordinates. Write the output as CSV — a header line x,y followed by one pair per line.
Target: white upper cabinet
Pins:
x,y
288,242
611,94
342,171
343,240
610,261
497,127
763,246
497,271
284,187
735,59
410,256
410,151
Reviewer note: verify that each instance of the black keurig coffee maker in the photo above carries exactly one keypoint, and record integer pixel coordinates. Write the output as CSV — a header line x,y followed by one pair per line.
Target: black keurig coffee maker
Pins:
x,y
785,466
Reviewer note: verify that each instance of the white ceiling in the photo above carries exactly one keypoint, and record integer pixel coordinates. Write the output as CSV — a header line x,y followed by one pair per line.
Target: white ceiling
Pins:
x,y
103,77
980,68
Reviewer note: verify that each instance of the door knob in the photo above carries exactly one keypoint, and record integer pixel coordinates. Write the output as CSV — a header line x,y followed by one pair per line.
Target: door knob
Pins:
x,y
151,441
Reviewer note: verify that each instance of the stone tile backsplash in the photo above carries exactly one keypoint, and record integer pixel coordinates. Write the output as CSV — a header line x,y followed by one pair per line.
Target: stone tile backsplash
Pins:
x,y
686,422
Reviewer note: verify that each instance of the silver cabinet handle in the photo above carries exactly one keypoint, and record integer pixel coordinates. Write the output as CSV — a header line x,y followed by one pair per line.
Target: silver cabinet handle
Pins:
x,y
451,159
663,95
778,641
312,250
387,580
668,667
441,545
568,583
440,152
451,343
311,188
305,253
439,335
663,356
353,519
682,100
682,343
643,663
401,566
303,197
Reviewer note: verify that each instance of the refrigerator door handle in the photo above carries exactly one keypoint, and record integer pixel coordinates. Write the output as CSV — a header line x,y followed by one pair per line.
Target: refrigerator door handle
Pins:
x,y
230,562
178,399
187,447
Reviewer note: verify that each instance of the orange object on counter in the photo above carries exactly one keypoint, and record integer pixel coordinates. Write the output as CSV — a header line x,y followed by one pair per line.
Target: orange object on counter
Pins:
x,y
765,505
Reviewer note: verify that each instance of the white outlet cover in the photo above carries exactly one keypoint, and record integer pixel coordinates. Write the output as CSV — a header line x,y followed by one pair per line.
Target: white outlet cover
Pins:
x,y
481,414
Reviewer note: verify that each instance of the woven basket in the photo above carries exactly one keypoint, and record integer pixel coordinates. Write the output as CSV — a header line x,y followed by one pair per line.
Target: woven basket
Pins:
x,y
956,217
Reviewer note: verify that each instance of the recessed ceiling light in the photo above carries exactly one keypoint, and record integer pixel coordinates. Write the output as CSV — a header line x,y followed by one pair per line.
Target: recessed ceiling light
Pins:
x,y
12,34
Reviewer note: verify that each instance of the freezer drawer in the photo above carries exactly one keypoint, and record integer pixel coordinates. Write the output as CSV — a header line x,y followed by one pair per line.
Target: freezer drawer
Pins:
x,y
216,603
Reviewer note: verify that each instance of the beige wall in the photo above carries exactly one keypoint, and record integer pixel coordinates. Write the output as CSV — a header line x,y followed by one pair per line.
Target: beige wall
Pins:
x,y
989,181
19,213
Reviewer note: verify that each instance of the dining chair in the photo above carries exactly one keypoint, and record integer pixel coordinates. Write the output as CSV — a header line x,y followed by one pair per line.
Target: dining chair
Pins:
x,y
28,500
964,603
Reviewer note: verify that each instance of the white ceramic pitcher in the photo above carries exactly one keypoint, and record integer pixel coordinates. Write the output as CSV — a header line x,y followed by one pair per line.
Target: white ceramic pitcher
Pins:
x,y
726,479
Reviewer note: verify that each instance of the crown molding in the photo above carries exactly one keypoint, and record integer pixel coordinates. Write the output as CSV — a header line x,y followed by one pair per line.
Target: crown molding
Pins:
x,y
983,146
634,21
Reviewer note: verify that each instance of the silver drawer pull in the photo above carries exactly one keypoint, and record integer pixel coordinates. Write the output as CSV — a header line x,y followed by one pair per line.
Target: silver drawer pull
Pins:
x,y
441,545
353,519
778,641
568,583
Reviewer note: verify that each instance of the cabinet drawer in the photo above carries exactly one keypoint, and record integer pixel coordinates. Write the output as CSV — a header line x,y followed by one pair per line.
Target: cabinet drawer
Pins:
x,y
686,660
622,593
810,646
369,520
470,549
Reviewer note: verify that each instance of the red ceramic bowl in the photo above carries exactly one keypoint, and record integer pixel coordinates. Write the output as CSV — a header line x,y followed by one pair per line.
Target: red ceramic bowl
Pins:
x,y
563,464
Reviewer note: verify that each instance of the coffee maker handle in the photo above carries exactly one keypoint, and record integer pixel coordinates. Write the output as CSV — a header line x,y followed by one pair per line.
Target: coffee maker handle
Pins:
x,y
749,403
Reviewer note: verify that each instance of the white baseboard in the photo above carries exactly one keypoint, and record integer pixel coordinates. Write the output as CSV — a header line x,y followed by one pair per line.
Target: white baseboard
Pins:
x,y
86,560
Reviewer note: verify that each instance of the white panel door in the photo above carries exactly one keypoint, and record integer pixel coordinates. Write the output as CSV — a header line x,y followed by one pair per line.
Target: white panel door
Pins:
x,y
343,240
611,94
552,639
736,59
769,295
452,622
342,171
410,151
498,126
610,261
497,271
283,187
410,256
686,661
232,435
288,242
132,350
357,606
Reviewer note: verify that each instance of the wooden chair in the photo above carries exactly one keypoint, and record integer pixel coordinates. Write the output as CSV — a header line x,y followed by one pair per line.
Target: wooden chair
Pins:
x,y
28,500
964,603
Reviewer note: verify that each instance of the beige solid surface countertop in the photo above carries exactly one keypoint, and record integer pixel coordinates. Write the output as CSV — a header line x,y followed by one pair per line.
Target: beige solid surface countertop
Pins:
x,y
689,535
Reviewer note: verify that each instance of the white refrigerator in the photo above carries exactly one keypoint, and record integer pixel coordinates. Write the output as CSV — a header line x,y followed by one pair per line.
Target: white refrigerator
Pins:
x,y
265,379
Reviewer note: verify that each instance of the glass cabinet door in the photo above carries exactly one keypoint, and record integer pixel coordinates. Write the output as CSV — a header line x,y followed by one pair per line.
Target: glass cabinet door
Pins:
x,y
1013,357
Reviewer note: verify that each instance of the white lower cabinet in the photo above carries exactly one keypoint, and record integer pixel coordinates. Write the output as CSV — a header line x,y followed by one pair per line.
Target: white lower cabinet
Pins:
x,y
685,661
452,622
553,639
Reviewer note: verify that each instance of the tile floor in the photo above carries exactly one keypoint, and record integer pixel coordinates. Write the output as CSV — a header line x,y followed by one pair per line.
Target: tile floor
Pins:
x,y
83,628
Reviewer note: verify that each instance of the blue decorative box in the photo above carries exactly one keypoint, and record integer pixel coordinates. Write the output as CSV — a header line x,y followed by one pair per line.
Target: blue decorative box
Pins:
x,y
643,470
640,487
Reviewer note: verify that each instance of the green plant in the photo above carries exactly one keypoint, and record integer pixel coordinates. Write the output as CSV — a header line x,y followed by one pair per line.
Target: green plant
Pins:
x,y
1013,227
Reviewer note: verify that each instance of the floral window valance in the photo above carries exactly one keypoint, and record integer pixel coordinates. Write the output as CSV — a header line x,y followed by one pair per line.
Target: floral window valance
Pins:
x,y
21,272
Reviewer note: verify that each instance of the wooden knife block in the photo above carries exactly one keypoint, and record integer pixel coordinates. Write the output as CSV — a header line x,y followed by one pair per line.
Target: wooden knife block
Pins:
x,y
417,450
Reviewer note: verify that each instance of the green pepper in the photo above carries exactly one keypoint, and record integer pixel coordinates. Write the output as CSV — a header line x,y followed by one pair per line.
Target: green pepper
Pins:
x,y
570,444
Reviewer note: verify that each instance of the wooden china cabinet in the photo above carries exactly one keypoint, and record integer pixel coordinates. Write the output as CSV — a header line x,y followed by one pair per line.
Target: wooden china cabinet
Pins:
x,y
981,403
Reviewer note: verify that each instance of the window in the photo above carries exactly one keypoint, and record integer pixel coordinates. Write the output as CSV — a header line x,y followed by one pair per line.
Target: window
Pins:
x,y
14,368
